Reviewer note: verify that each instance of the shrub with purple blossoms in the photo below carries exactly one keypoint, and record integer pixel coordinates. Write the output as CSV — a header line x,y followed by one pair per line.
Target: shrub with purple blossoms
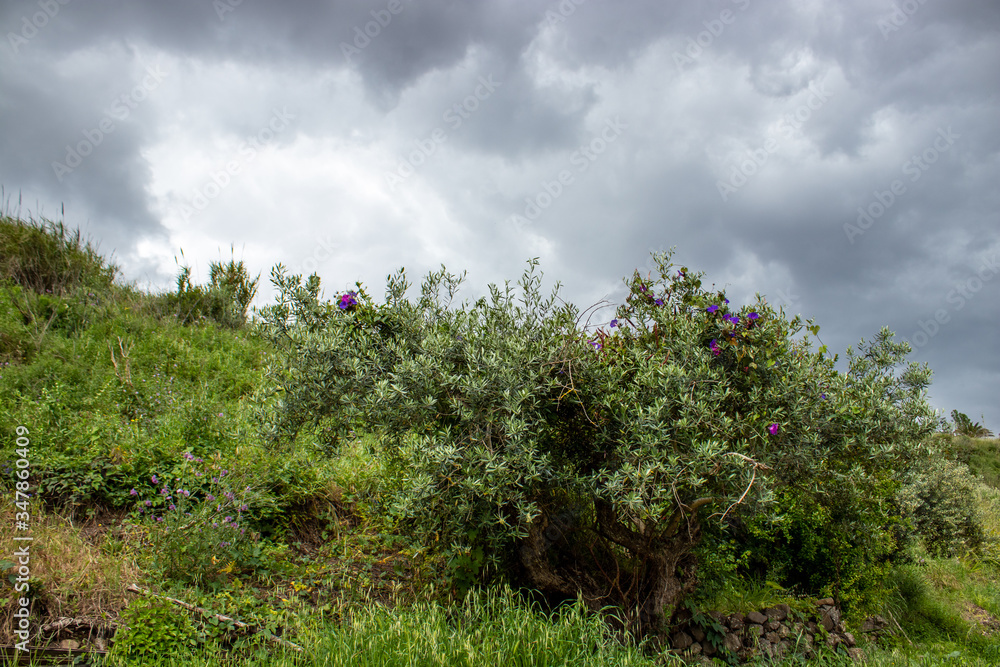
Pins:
x,y
590,462
199,520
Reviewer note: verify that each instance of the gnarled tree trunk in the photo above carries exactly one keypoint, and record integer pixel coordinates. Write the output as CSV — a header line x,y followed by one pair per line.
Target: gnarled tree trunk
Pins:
x,y
645,573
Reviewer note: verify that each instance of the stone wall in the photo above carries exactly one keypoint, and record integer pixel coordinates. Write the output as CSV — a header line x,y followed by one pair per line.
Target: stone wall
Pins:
x,y
774,632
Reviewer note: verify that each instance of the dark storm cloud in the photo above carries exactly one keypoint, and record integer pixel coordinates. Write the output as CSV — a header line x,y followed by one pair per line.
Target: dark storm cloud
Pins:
x,y
832,103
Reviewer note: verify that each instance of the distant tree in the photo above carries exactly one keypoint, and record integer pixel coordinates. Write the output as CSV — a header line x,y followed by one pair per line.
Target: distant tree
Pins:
x,y
965,426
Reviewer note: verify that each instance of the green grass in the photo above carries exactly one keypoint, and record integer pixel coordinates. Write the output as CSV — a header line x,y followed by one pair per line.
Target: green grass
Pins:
x,y
982,455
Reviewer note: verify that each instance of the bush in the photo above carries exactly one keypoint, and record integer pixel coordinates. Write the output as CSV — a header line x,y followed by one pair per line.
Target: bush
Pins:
x,y
45,257
199,520
938,500
224,300
588,463
155,629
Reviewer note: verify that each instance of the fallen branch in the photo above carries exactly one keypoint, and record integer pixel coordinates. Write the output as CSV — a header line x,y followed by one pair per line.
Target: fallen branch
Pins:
x,y
132,588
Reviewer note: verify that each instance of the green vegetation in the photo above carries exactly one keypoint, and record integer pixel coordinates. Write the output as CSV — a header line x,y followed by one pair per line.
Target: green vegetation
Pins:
x,y
415,483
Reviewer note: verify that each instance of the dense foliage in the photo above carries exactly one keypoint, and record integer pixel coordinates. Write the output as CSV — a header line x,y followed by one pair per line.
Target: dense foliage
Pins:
x,y
597,457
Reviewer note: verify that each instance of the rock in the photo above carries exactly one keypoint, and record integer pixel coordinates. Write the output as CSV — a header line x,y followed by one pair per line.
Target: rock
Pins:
x,y
857,655
824,602
697,633
681,640
874,624
69,644
813,628
783,631
695,649
778,612
736,622
833,640
733,643
849,638
771,626
708,648
772,637
754,630
756,617
829,620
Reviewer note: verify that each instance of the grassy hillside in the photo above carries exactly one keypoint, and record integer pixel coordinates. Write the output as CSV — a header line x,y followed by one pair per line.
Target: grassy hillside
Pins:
x,y
147,467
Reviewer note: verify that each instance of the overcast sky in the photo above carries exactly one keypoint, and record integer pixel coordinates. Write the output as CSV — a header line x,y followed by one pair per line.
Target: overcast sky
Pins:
x,y
841,157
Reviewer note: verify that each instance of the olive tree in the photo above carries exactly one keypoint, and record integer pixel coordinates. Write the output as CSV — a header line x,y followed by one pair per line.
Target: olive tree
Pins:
x,y
587,461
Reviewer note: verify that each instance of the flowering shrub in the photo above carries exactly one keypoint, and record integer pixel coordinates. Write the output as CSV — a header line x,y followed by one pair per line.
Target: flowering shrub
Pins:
x,y
506,422
199,520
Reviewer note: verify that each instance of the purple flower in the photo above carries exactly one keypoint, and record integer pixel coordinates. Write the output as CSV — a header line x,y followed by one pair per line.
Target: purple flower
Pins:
x,y
734,319
596,345
823,396
210,497
726,300
159,518
149,503
680,274
752,316
133,492
715,347
659,302
614,323
348,300
712,308
773,428
172,506
154,480
642,287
